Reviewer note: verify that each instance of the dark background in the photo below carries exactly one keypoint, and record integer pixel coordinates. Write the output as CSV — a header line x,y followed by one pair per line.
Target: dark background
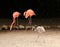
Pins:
x,y
42,8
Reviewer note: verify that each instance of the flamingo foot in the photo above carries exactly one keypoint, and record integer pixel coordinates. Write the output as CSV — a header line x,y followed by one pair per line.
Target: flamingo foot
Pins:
x,y
10,28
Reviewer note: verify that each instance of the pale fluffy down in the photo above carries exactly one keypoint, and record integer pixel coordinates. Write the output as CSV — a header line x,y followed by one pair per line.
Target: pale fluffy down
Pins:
x,y
39,29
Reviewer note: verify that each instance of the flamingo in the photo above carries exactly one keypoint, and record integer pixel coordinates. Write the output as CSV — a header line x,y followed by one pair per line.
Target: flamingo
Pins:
x,y
15,15
28,14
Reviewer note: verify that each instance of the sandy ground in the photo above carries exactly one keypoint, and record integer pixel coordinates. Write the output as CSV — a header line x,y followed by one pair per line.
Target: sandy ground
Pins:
x,y
28,38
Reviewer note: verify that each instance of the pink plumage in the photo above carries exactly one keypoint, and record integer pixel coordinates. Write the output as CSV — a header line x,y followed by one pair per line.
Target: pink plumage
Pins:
x,y
29,13
16,14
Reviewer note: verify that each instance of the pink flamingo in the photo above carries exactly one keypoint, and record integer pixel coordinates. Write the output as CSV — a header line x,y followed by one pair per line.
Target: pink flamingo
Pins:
x,y
28,14
15,15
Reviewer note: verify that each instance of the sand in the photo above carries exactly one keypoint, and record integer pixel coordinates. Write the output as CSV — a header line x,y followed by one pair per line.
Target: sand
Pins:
x,y
28,38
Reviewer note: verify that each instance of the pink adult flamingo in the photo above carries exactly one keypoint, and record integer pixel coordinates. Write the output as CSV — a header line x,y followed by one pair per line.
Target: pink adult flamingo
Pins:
x,y
28,14
15,15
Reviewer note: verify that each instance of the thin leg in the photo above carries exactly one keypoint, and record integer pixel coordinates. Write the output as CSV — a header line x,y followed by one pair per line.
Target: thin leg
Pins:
x,y
17,22
30,21
37,37
12,24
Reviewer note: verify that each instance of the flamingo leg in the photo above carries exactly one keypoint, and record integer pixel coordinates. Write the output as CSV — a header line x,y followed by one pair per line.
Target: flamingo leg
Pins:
x,y
17,21
30,21
12,24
